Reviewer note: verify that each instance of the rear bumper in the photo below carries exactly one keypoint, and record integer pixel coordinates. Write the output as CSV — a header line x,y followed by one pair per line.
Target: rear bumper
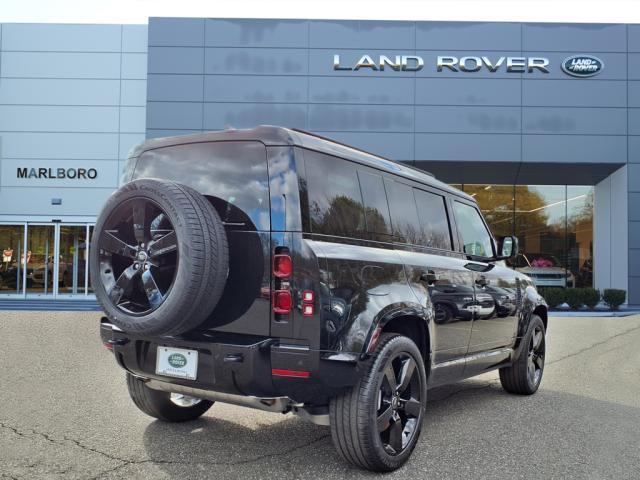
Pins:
x,y
238,365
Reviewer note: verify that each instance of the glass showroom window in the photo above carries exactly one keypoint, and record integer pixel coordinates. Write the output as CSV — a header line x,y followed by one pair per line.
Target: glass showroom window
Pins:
x,y
496,203
554,224
580,234
540,224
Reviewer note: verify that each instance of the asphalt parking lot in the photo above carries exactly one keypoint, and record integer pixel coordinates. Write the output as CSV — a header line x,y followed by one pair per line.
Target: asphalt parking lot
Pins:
x,y
65,413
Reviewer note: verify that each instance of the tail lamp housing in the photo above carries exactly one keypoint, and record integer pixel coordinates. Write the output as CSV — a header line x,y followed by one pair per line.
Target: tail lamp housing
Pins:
x,y
282,266
282,301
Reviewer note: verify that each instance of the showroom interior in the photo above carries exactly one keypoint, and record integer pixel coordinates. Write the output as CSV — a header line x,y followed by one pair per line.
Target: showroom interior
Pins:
x,y
549,156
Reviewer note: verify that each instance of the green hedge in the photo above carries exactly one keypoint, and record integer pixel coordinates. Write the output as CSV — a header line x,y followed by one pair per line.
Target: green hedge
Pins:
x,y
577,297
590,297
554,296
614,297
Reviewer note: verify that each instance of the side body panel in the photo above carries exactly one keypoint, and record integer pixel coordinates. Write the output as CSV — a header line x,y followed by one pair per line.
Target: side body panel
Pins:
x,y
361,287
451,294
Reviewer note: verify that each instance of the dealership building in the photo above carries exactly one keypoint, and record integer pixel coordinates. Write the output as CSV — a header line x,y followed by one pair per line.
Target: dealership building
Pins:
x,y
539,122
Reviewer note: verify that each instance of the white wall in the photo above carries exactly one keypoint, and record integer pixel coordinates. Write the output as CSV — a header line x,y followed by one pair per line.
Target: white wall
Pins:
x,y
611,237
70,96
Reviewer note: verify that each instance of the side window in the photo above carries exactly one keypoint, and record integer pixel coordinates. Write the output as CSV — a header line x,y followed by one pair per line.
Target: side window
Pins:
x,y
475,236
376,209
335,202
404,215
433,219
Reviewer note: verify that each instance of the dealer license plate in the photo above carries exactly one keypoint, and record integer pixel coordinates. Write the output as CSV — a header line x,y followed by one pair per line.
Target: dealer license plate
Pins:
x,y
177,362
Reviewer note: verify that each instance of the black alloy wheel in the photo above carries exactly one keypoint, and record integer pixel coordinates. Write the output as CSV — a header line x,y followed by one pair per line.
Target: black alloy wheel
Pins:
x,y
524,375
139,256
535,359
399,403
376,424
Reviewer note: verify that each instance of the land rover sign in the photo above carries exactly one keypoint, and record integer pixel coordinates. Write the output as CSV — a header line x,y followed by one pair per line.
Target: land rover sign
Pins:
x,y
582,65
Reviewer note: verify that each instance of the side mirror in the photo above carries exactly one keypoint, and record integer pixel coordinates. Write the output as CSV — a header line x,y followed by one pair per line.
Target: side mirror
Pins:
x,y
507,247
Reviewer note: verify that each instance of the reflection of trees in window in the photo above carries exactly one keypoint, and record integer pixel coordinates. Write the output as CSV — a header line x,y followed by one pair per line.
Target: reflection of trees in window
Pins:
x,y
582,213
496,203
531,213
433,220
343,217
376,224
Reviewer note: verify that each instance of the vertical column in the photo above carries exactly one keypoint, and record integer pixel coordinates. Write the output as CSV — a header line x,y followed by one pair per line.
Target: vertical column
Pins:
x,y
610,232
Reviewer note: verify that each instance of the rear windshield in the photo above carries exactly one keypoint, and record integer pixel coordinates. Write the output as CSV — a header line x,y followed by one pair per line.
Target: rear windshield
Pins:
x,y
233,174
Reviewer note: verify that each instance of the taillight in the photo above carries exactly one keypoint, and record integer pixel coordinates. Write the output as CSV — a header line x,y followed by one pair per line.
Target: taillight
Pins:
x,y
282,271
282,266
282,301
307,303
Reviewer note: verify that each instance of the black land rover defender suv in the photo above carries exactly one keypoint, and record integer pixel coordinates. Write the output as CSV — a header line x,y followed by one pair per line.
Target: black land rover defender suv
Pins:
x,y
274,269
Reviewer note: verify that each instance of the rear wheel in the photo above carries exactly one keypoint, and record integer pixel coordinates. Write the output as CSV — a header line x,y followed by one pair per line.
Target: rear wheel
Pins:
x,y
523,377
161,260
169,407
376,424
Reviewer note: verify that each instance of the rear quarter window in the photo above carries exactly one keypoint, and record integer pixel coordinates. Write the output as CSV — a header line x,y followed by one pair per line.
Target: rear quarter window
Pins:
x,y
335,201
233,174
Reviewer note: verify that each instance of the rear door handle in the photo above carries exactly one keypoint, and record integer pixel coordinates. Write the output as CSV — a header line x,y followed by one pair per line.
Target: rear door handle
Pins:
x,y
429,277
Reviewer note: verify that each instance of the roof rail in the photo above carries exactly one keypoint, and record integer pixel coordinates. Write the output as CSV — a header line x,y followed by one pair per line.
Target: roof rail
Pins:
x,y
311,134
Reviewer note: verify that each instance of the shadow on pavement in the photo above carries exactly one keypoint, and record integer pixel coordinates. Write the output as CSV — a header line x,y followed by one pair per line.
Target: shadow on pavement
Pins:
x,y
472,427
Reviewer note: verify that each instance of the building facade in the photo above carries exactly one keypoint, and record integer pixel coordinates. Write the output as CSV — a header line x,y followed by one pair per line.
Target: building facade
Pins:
x,y
540,122
72,103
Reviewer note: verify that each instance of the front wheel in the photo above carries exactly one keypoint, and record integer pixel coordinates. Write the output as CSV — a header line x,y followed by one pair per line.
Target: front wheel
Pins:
x,y
376,424
523,377
169,407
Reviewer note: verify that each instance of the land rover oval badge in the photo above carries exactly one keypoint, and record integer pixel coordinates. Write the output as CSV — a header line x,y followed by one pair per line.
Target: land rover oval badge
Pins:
x,y
177,360
582,65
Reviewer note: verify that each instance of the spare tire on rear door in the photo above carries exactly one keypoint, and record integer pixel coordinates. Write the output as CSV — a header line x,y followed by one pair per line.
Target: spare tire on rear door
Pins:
x,y
159,258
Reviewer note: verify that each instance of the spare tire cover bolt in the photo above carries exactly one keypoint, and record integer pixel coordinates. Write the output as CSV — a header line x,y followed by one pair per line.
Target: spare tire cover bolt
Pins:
x,y
136,266
146,266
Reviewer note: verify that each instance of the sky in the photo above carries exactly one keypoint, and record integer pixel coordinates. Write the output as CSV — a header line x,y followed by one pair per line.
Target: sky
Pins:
x,y
138,11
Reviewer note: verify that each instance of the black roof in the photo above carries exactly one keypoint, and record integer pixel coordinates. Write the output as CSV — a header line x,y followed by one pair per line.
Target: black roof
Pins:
x,y
280,136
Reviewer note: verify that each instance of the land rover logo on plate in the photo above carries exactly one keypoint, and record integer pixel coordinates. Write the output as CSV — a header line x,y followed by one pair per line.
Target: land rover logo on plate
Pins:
x,y
177,360
582,65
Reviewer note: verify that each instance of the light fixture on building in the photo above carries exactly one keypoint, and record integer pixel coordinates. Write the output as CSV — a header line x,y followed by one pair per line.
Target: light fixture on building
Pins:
x,y
56,201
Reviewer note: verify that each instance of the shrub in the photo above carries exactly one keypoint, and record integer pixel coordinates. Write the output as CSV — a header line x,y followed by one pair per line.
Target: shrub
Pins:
x,y
554,296
575,297
590,297
614,297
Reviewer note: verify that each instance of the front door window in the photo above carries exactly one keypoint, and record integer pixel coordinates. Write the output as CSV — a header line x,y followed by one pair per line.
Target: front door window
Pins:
x,y
475,237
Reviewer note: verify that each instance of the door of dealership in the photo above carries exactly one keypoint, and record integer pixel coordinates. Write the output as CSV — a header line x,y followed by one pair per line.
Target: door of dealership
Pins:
x,y
45,260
